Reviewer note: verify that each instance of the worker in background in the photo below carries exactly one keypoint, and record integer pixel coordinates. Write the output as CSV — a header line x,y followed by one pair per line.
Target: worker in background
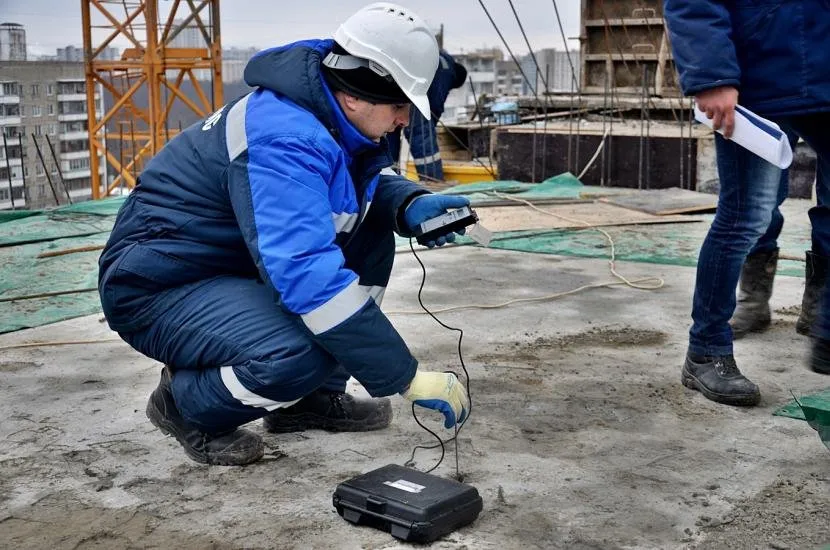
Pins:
x,y
422,132
766,57
753,312
252,256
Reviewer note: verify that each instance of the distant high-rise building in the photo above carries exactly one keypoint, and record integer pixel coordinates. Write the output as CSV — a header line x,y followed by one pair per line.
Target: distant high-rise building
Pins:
x,y
482,68
12,42
189,37
234,61
76,55
559,67
43,105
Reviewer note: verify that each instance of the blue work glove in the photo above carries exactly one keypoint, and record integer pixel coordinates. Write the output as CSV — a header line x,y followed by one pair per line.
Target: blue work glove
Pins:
x,y
426,207
442,392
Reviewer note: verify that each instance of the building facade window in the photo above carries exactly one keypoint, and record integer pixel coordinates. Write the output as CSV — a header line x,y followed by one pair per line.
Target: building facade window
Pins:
x,y
36,110
78,164
35,90
71,88
17,193
51,109
79,183
38,130
10,88
74,126
39,170
72,108
74,145
50,89
13,132
11,110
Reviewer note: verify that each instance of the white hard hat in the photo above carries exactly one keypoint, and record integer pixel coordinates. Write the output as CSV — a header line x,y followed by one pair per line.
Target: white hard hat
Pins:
x,y
390,40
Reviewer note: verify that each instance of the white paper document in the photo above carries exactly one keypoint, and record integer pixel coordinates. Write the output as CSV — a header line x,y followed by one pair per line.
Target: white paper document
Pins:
x,y
759,135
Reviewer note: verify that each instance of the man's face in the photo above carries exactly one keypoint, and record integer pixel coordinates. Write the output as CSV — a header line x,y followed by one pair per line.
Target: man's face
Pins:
x,y
375,120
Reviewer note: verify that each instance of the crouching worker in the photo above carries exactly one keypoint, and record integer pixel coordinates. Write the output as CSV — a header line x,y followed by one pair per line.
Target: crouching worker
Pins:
x,y
252,256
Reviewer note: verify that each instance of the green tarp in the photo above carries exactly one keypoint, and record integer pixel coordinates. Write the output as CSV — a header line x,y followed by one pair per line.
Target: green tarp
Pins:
x,y
815,409
24,237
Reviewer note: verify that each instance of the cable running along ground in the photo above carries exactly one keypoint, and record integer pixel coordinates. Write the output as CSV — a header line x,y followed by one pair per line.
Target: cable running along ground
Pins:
x,y
441,443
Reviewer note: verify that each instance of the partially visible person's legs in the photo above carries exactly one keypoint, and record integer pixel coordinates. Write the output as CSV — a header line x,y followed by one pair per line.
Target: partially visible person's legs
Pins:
x,y
394,142
423,144
752,313
813,129
749,188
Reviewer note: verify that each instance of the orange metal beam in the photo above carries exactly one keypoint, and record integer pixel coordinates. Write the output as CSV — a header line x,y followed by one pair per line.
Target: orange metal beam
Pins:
x,y
144,66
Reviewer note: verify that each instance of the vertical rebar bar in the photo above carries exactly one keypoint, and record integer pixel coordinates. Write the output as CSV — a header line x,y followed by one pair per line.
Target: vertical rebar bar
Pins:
x,y
58,166
545,123
9,168
46,170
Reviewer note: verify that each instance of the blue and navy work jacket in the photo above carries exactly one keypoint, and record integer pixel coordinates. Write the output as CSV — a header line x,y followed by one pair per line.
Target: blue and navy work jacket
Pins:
x,y
271,185
775,52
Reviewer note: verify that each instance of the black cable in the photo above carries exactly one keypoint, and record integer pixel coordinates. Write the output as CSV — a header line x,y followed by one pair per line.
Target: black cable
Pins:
x,y
506,45
441,442
529,47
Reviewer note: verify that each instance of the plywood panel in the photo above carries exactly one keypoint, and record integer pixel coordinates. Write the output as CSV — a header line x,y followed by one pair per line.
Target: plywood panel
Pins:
x,y
566,216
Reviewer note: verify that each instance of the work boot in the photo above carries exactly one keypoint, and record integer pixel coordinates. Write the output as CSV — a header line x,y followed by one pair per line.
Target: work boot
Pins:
x,y
816,275
719,379
332,411
820,356
752,313
234,448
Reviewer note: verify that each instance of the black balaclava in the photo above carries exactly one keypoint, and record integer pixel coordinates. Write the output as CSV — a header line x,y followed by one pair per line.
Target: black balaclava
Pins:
x,y
364,83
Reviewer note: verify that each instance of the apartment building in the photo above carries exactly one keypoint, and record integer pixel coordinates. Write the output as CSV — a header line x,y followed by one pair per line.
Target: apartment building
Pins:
x,y
43,119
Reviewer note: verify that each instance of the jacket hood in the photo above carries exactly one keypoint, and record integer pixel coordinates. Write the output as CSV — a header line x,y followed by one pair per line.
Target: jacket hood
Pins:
x,y
293,71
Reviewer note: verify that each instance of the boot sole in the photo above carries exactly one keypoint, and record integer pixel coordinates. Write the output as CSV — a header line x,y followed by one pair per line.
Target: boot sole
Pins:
x,y
306,421
738,400
166,427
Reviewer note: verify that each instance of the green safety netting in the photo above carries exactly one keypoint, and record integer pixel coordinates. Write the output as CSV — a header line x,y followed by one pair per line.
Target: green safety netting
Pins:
x,y
26,235
563,186
815,409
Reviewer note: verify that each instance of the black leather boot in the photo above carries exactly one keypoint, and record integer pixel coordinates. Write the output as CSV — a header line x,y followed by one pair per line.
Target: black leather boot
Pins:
x,y
816,275
820,356
332,411
719,379
752,313
233,448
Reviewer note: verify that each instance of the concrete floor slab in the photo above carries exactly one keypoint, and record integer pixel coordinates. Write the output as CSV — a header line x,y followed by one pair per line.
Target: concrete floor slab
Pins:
x,y
581,435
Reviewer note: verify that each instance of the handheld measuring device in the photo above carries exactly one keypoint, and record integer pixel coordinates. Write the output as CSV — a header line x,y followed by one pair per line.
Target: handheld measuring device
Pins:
x,y
444,224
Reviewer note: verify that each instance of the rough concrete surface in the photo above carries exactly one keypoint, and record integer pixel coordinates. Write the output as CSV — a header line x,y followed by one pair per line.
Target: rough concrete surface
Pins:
x,y
581,435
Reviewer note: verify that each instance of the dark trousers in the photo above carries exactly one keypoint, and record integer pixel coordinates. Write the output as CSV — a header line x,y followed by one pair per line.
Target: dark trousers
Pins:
x,y
237,355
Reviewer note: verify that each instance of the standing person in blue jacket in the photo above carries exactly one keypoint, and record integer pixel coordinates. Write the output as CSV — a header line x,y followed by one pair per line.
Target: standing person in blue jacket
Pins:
x,y
773,57
422,132
252,256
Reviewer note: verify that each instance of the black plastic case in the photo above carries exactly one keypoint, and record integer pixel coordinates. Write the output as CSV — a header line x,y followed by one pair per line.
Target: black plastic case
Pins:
x,y
410,505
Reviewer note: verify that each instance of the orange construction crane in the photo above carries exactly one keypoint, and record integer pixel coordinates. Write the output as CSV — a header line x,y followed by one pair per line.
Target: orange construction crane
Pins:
x,y
148,78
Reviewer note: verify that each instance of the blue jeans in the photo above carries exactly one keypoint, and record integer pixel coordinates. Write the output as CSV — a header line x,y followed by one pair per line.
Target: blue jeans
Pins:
x,y
749,191
230,322
769,240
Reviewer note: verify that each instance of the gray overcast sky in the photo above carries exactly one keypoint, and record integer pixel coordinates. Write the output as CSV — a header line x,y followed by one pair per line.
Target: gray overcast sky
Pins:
x,y
51,24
